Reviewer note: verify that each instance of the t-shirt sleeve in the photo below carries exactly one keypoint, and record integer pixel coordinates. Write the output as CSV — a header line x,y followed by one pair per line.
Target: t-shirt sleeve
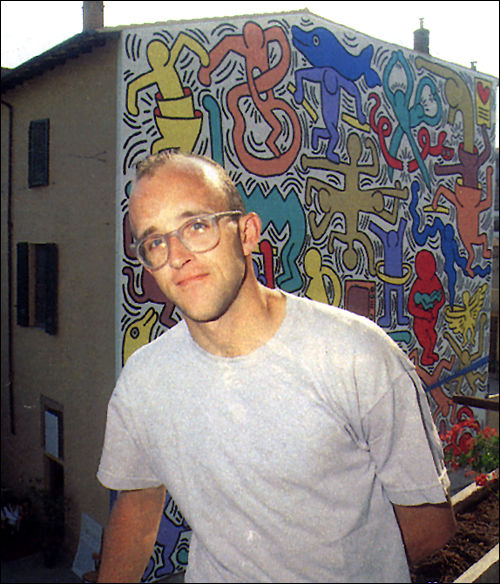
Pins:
x,y
125,461
405,445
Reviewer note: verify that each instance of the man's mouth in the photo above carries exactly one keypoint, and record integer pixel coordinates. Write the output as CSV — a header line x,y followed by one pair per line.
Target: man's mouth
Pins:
x,y
192,279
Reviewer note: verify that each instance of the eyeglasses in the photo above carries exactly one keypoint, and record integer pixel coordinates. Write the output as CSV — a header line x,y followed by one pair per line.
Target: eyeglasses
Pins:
x,y
198,234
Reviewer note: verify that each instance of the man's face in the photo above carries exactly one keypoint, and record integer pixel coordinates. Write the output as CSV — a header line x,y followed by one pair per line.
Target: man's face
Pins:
x,y
202,285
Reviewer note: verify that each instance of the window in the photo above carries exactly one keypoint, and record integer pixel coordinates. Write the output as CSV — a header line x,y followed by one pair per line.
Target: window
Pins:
x,y
52,426
53,432
38,153
37,285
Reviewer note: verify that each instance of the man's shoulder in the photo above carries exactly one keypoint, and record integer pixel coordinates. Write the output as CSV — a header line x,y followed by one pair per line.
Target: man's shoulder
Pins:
x,y
311,311
163,348
316,320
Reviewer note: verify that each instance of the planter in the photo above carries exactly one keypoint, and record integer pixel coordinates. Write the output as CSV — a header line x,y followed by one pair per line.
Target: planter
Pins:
x,y
472,554
486,568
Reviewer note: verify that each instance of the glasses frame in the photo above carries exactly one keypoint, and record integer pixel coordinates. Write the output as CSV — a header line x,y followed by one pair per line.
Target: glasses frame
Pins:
x,y
213,217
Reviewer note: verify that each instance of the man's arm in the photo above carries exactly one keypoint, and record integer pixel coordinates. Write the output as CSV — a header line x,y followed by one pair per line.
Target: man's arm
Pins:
x,y
425,528
130,535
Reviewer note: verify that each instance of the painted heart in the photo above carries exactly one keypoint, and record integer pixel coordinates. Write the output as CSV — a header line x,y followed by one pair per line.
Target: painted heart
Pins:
x,y
484,92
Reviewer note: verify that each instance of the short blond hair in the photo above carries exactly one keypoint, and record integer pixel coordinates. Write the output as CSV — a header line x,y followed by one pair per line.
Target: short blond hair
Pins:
x,y
150,165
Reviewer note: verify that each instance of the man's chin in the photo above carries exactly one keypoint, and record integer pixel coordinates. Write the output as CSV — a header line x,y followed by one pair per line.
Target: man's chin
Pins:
x,y
201,316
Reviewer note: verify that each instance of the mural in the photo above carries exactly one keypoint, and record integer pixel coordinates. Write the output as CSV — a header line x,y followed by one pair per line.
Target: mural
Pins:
x,y
370,165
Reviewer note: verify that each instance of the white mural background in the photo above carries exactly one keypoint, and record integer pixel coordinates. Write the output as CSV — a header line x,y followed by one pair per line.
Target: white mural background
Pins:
x,y
370,165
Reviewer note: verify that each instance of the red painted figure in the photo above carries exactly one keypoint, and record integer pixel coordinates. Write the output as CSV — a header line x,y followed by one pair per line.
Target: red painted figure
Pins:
x,y
425,300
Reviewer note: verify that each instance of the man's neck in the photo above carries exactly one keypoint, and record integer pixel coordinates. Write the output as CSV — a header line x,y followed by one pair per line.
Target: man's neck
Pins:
x,y
250,322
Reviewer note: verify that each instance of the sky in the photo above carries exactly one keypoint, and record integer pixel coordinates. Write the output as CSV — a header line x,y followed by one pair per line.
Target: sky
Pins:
x,y
460,32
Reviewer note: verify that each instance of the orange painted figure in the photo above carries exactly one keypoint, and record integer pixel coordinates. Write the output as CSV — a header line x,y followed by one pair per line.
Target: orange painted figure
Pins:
x,y
425,300
253,46
444,403
468,204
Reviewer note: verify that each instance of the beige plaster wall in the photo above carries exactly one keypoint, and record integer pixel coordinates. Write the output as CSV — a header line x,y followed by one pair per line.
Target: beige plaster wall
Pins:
x,y
77,212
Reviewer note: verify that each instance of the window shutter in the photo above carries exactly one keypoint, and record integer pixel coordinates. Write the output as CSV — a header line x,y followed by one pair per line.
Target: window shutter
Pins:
x,y
23,284
51,280
38,153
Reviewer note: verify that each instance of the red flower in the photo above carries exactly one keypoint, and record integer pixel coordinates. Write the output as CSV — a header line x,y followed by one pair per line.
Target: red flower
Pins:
x,y
481,479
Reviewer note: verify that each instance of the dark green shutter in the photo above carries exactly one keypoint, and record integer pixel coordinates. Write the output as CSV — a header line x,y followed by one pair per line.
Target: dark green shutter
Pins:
x,y
23,284
38,154
51,280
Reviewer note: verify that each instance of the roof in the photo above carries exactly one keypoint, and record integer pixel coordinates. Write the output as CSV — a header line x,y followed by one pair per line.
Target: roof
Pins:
x,y
85,42
73,47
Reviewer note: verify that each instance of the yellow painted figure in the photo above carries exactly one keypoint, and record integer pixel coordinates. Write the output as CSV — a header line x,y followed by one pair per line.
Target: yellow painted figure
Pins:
x,y
175,116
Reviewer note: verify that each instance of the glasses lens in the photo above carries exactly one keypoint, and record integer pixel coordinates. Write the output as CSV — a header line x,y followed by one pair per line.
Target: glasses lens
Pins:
x,y
153,251
200,234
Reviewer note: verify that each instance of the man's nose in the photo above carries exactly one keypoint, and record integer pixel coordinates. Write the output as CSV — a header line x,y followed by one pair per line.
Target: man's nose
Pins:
x,y
178,253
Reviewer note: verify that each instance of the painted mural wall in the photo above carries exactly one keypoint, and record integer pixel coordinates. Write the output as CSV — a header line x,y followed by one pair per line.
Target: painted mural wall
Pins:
x,y
370,165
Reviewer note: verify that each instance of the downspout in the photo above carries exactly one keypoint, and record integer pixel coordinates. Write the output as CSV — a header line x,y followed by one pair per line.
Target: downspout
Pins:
x,y
10,320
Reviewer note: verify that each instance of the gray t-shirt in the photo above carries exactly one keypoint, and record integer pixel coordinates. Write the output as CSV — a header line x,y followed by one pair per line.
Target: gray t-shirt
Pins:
x,y
285,461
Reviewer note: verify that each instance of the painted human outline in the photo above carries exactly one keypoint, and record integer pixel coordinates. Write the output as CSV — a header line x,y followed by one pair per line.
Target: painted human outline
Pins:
x,y
138,333
334,68
149,290
458,96
318,272
449,245
253,45
469,205
266,275
284,212
462,319
424,302
470,162
443,402
410,115
350,201
175,116
391,271
471,376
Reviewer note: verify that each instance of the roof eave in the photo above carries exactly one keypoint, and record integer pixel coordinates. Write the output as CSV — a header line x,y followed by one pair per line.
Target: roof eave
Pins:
x,y
73,47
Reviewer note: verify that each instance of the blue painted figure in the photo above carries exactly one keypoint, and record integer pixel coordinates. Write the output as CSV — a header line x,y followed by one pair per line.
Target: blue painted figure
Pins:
x,y
393,274
334,69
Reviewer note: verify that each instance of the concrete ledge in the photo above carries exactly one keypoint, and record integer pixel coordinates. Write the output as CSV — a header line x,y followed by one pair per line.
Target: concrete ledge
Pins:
x,y
484,570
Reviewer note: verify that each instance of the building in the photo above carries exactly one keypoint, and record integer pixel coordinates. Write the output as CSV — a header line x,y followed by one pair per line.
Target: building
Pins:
x,y
350,197
58,249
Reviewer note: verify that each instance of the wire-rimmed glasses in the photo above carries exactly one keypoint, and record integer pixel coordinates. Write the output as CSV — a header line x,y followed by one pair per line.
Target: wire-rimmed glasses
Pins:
x,y
198,234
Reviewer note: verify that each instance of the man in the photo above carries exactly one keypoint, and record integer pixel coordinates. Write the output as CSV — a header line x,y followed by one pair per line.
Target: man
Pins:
x,y
294,436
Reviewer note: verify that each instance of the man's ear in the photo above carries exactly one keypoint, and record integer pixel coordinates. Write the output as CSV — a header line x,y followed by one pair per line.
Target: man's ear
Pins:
x,y
250,227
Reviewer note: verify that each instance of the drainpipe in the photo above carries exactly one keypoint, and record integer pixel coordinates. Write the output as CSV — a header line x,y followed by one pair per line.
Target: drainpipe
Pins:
x,y
10,323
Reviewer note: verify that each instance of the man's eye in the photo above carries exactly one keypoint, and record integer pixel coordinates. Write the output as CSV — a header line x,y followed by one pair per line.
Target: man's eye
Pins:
x,y
153,244
199,225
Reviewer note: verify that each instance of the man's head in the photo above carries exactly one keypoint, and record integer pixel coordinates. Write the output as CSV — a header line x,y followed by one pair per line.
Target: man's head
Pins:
x,y
201,165
172,190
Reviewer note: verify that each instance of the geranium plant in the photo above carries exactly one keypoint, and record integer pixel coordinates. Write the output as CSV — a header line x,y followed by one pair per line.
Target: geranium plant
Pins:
x,y
468,446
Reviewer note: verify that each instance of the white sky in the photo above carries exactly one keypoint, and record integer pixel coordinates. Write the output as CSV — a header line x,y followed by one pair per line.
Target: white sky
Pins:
x,y
460,32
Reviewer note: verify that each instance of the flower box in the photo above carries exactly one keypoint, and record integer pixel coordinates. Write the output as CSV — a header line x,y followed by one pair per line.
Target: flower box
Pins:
x,y
486,568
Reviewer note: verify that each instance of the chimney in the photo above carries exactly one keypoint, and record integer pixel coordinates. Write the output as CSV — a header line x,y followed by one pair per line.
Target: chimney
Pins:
x,y
421,39
93,16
